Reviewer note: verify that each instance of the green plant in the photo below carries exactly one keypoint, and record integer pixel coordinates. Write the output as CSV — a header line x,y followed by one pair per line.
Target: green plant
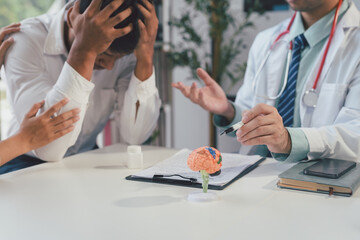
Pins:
x,y
219,59
17,10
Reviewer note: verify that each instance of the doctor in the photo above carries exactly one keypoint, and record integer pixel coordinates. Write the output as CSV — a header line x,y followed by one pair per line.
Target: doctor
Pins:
x,y
300,97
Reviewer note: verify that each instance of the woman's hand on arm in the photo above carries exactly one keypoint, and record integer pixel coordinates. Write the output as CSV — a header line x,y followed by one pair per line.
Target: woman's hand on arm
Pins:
x,y
5,44
45,128
37,131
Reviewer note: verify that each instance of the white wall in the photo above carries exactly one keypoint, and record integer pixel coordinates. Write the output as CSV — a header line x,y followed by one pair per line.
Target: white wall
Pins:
x,y
357,2
190,122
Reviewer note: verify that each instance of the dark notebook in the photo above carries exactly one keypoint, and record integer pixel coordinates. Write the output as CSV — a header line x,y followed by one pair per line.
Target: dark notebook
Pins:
x,y
294,178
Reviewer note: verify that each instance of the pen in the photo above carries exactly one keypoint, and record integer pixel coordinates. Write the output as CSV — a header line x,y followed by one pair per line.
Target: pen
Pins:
x,y
234,127
157,176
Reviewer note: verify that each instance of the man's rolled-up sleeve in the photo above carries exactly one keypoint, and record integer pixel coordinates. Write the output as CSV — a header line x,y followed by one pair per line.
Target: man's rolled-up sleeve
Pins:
x,y
77,91
30,79
137,126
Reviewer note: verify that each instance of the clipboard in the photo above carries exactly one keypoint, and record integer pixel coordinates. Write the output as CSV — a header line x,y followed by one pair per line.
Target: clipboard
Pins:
x,y
232,168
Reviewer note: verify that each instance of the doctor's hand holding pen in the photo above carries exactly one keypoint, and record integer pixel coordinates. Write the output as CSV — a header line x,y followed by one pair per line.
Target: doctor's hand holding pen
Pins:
x,y
262,125
37,131
5,44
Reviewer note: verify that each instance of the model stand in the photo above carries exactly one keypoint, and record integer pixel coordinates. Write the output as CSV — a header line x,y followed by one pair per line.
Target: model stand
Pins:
x,y
207,160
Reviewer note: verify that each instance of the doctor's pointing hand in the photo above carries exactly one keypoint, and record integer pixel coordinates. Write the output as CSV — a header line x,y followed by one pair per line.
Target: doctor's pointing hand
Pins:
x,y
262,124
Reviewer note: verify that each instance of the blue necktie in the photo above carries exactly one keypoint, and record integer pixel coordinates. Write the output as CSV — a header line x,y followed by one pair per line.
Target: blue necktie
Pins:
x,y
287,99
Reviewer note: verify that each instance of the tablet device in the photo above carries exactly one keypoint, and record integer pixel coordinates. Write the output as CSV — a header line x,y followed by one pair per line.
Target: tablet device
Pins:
x,y
329,168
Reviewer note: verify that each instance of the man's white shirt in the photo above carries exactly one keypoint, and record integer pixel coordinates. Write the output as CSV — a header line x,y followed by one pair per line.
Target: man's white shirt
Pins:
x,y
36,69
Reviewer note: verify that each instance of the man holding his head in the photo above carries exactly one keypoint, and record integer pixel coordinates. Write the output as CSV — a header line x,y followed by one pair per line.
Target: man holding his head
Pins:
x,y
98,54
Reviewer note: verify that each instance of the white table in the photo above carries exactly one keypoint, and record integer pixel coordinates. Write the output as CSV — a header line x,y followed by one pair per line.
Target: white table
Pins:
x,y
87,197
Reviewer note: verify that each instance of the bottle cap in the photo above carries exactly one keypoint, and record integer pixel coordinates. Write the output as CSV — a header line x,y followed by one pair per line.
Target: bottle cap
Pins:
x,y
134,149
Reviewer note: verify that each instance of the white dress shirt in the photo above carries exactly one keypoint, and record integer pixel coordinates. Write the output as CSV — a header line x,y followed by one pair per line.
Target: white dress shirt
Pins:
x,y
36,69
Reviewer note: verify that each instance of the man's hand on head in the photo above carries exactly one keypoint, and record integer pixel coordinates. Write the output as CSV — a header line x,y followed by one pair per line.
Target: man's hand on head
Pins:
x,y
264,126
94,31
144,51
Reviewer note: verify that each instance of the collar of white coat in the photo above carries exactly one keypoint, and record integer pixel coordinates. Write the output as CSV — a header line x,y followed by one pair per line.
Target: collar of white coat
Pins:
x,y
351,19
319,30
54,43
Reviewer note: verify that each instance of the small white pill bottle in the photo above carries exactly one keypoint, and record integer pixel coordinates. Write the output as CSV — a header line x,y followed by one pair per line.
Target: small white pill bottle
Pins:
x,y
135,157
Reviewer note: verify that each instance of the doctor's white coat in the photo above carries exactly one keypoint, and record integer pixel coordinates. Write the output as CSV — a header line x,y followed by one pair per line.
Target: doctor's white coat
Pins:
x,y
333,127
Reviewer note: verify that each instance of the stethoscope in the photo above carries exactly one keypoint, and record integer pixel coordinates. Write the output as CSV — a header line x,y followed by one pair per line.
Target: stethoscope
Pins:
x,y
310,97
